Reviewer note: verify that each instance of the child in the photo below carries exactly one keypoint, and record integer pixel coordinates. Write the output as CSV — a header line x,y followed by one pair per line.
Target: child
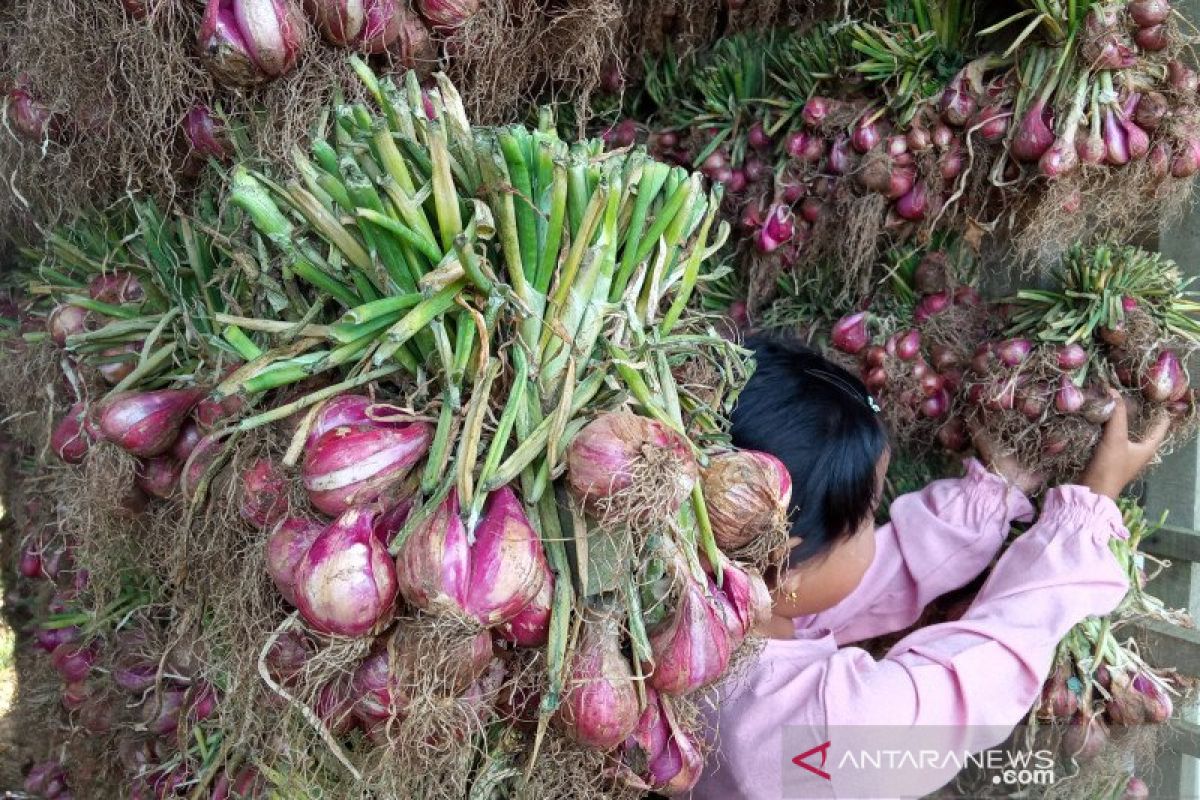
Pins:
x,y
964,684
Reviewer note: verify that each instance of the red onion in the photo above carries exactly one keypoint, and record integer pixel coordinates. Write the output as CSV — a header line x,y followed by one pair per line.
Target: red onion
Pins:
x,y
44,775
914,205
1059,160
447,14
1161,382
1159,160
1182,78
346,582
1116,140
875,356
1057,697
264,493
69,440
50,639
937,406
353,465
29,118
1148,13
919,139
954,436
865,135
117,288
603,458
992,122
816,110
747,494
189,436
507,565
210,412
944,357
850,333
198,463
66,320
1186,162
286,546
875,379
433,566
778,230
412,46
743,600
841,158
116,363
73,661
1013,352
943,136
201,701
691,648
205,134
622,134
1156,704
287,658
908,345
30,562
755,169
930,306
1098,410
147,423
1136,789
1153,39
377,689
339,21
248,42
1033,136
931,384
531,625
659,755
345,409
1151,110
600,705
159,476
1068,399
757,137
957,102
1071,357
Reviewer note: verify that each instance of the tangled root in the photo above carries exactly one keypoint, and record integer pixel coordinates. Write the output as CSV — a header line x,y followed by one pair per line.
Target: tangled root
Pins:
x,y
510,54
850,235
650,501
31,394
568,770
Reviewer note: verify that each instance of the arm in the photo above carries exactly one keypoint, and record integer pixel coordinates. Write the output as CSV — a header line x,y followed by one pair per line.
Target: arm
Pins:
x,y
978,676
939,539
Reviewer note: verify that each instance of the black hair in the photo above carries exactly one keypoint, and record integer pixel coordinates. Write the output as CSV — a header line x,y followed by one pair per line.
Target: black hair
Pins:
x,y
820,421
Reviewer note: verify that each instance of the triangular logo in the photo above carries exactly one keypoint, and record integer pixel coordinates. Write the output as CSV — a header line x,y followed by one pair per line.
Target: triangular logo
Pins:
x,y
800,760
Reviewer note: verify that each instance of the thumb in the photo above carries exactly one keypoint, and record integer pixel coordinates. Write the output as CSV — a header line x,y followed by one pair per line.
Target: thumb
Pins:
x,y
1116,430
1155,435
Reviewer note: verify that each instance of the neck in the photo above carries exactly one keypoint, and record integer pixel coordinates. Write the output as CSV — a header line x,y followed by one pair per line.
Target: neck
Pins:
x,y
778,627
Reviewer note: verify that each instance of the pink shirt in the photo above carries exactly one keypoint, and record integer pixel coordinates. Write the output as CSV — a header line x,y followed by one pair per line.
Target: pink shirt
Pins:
x,y
985,669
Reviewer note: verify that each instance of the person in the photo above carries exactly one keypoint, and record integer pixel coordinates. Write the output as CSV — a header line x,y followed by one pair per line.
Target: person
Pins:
x,y
963,685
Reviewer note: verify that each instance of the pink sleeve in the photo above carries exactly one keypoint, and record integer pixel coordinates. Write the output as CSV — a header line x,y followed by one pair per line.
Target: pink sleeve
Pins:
x,y
939,539
987,668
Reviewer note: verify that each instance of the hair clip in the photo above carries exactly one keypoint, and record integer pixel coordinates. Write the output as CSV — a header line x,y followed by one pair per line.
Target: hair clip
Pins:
x,y
841,383
873,403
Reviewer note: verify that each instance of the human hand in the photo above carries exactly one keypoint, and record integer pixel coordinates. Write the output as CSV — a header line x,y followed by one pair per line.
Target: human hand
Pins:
x,y
1005,464
1117,460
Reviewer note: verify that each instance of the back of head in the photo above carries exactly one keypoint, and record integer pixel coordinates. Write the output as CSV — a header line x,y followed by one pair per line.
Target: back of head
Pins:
x,y
819,420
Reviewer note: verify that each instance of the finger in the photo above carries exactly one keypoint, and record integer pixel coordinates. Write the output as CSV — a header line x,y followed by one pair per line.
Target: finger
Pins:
x,y
1155,435
1117,428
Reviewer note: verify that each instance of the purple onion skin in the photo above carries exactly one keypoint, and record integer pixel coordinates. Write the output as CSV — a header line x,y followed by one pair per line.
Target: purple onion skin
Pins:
x,y
930,306
352,465
1013,352
1153,39
914,205
850,333
146,424
346,582
69,440
264,494
286,547
248,42
73,661
66,320
508,565
1072,357
204,133
117,287
1148,13
1034,136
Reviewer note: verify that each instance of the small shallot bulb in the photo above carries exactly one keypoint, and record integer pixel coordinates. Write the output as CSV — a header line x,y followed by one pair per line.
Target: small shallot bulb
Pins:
x,y
747,494
691,647
531,625
660,754
159,476
286,546
1148,13
248,42
66,320
1164,379
356,464
600,705
931,305
447,14
346,582
851,334
69,440
507,564
1072,356
620,451
116,288
1013,352
264,493
1069,398
147,423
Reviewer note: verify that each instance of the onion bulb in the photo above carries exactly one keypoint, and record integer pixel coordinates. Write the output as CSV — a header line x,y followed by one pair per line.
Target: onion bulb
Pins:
x,y
147,423
747,494
352,465
599,708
